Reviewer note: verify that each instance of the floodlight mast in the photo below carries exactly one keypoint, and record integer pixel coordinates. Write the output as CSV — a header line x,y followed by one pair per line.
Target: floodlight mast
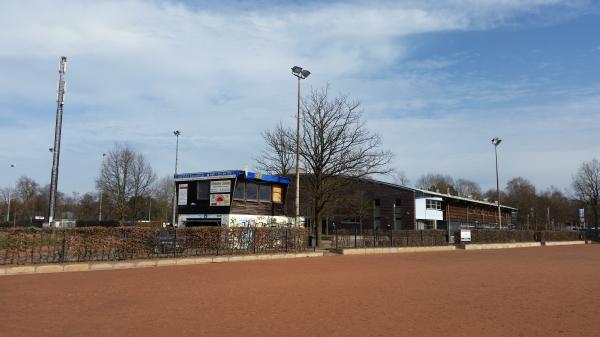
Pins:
x,y
62,68
301,74
496,141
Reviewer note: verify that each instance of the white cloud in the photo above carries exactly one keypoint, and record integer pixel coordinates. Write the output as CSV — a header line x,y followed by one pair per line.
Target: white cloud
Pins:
x,y
139,70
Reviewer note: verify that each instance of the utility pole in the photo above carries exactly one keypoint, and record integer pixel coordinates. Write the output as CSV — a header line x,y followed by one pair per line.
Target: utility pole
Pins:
x,y
9,197
57,130
101,190
176,133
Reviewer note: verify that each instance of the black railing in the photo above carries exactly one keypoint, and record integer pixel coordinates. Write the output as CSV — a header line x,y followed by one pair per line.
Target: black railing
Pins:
x,y
34,246
344,238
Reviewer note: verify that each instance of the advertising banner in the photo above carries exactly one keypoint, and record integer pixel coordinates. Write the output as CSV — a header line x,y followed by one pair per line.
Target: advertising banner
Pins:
x,y
220,199
182,194
220,186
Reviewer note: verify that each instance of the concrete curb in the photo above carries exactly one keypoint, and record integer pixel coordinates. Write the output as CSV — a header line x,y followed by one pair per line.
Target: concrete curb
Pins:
x,y
390,250
478,246
135,264
563,243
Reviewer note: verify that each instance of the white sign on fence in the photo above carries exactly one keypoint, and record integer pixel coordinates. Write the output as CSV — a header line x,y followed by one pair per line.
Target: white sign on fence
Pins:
x,y
465,235
220,186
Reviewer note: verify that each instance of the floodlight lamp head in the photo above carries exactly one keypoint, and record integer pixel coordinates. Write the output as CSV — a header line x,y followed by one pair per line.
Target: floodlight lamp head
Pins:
x,y
305,73
296,70
496,141
176,132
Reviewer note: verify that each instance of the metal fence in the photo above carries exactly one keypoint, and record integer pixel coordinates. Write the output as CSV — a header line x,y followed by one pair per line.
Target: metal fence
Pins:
x,y
33,245
343,238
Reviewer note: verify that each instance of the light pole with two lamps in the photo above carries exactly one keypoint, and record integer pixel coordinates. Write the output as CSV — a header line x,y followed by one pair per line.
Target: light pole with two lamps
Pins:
x,y
301,74
496,141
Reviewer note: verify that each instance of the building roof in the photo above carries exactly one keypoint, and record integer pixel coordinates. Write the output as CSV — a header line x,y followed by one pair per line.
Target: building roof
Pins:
x,y
229,174
443,195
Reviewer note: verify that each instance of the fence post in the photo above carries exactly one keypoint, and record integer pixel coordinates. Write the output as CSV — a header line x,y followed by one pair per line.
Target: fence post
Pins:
x,y
355,234
218,240
175,243
375,237
407,238
421,237
336,237
62,254
254,240
286,240
391,237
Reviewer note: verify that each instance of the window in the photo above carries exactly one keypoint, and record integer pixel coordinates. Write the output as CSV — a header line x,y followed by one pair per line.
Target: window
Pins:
x,y
433,204
265,193
277,194
240,191
251,191
202,192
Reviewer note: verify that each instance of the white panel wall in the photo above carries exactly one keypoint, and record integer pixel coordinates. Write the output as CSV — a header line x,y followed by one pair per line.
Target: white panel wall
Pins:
x,y
422,213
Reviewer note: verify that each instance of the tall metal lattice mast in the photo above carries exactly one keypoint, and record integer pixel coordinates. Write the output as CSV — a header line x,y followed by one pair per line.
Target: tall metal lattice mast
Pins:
x,y
56,149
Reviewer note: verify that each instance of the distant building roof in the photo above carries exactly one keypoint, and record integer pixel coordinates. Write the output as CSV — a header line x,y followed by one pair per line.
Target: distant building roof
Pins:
x,y
228,174
443,195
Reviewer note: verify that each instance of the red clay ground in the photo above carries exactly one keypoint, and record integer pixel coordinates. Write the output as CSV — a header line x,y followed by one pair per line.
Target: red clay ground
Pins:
x,y
549,291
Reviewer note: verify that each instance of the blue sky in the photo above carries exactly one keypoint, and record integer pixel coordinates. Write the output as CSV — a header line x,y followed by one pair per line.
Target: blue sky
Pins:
x,y
437,80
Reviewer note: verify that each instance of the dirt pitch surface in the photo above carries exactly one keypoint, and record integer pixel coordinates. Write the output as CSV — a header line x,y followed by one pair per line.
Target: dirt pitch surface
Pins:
x,y
549,291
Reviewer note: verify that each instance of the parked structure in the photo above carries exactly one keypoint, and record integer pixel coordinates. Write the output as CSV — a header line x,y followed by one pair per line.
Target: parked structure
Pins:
x,y
231,198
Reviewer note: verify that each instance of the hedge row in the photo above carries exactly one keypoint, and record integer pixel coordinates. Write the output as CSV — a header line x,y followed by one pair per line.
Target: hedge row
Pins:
x,y
506,236
35,245
392,238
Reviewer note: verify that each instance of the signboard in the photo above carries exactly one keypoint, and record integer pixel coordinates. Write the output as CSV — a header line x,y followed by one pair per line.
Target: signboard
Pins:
x,y
465,235
182,194
220,186
276,196
582,215
208,175
220,199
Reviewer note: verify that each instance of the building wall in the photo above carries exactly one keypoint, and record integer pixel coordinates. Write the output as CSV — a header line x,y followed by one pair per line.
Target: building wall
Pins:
x,y
355,205
473,213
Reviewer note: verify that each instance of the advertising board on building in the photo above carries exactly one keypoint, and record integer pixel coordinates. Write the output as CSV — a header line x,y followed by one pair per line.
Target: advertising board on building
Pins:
x,y
220,199
220,186
465,235
182,194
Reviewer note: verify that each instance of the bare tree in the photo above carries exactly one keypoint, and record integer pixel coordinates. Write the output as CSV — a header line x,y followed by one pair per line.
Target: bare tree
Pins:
x,y
586,184
27,190
400,178
124,175
468,189
335,143
142,179
521,194
279,156
163,194
436,182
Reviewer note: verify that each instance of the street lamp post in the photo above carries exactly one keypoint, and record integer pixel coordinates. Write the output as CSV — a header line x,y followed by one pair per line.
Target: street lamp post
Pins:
x,y
101,190
496,141
176,133
301,74
9,197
